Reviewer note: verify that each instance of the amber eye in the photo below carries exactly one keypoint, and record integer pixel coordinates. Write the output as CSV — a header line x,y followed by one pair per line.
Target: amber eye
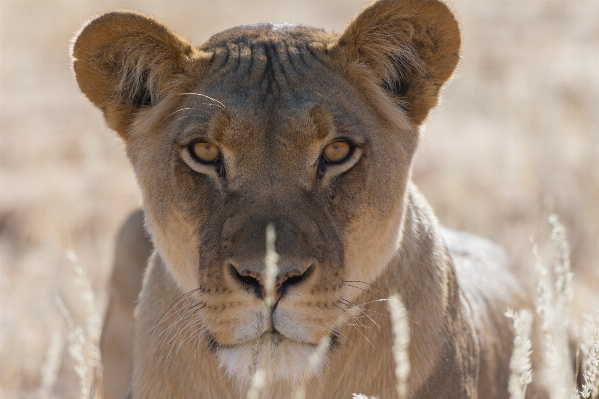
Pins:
x,y
336,151
205,152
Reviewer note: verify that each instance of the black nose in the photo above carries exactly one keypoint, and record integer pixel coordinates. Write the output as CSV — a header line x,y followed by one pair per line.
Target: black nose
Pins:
x,y
256,281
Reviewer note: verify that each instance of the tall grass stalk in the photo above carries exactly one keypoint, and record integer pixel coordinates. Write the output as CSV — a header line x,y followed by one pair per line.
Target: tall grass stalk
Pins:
x,y
520,364
401,334
546,311
556,320
544,292
51,365
76,340
270,262
93,317
590,388
83,344
563,284
563,273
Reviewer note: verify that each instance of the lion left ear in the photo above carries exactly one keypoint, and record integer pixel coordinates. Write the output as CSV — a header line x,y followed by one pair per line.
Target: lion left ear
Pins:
x,y
411,48
124,61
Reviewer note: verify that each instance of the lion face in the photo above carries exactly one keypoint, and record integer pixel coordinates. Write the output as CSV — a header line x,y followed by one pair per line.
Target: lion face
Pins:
x,y
279,144
268,125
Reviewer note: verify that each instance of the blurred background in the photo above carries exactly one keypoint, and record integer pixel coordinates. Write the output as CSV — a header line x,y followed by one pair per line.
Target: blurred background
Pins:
x,y
515,138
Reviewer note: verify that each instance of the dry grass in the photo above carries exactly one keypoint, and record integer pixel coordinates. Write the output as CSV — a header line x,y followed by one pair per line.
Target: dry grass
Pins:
x,y
401,339
590,387
520,363
515,139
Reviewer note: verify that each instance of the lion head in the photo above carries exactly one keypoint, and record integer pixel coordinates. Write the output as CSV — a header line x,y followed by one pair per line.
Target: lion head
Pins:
x,y
308,132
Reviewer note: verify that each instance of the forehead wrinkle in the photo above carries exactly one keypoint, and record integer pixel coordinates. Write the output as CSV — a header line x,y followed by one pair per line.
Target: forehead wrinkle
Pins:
x,y
269,67
258,64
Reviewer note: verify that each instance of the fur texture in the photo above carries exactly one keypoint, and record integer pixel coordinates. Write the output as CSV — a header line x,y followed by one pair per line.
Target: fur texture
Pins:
x,y
348,234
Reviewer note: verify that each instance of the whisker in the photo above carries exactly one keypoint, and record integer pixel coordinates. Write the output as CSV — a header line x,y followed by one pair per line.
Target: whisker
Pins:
x,y
363,312
385,300
182,297
194,334
352,316
166,333
185,311
357,329
365,337
190,333
361,289
185,316
338,307
355,318
374,301
344,283
180,332
365,317
210,104
346,301
340,334
198,338
186,109
341,323
187,326
350,304
204,96
362,282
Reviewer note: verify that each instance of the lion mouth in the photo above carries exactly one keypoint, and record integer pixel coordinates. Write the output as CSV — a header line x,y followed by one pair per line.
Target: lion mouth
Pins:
x,y
280,346
279,357
272,335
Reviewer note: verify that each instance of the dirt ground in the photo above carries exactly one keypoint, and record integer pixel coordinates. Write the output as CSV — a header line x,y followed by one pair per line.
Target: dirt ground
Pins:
x,y
515,138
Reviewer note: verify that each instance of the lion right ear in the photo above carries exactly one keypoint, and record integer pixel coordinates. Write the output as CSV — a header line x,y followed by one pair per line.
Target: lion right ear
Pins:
x,y
410,48
125,61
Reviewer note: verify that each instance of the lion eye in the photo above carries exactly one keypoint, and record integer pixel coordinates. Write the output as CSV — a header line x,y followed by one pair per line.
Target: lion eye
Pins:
x,y
205,152
337,151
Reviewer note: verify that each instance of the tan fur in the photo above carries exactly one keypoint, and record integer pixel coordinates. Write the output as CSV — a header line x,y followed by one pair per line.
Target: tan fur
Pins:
x,y
131,256
271,98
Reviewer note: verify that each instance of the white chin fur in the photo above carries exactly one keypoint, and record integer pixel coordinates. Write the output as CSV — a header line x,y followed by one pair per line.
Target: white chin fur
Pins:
x,y
281,360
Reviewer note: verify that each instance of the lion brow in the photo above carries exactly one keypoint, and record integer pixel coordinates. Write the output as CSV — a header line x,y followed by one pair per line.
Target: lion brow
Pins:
x,y
205,96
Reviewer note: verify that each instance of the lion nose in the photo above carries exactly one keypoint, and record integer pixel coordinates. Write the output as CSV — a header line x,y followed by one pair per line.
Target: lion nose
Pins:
x,y
257,281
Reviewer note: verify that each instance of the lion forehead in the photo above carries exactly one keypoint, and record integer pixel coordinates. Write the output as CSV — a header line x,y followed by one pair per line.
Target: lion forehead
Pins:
x,y
268,59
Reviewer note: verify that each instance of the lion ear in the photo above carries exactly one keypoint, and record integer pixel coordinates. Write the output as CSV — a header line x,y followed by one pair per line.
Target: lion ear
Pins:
x,y
410,47
124,61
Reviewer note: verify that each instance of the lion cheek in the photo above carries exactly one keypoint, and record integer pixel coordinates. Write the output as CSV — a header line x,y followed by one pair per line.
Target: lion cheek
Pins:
x,y
371,246
178,248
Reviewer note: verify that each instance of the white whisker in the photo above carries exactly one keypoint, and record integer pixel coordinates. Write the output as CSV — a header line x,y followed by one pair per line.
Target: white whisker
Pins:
x,y
205,96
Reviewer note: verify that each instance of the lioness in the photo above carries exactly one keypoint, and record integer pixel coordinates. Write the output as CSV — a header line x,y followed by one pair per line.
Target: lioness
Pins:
x,y
313,134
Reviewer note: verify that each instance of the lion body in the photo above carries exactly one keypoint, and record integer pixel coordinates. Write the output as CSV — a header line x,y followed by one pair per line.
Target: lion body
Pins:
x,y
271,101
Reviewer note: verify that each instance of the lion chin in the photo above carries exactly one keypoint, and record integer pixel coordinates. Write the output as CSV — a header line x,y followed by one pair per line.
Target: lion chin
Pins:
x,y
278,358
